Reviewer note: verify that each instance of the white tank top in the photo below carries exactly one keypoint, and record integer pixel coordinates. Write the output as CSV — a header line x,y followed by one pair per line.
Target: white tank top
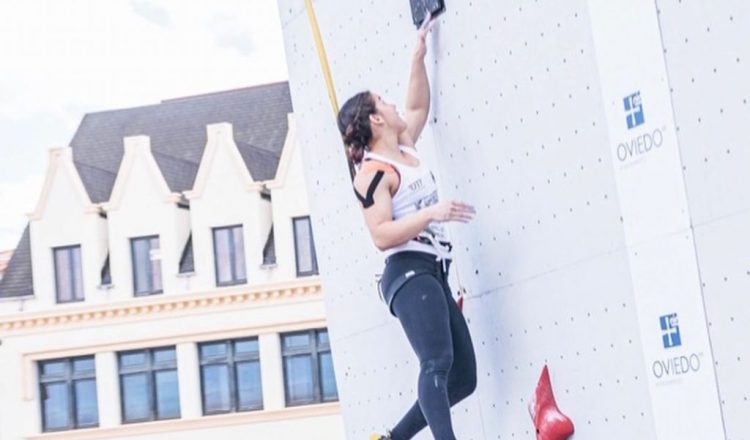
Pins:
x,y
417,189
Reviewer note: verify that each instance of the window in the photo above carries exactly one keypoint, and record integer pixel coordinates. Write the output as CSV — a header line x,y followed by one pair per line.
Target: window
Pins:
x,y
67,389
307,263
146,265
308,368
68,276
148,385
230,376
229,255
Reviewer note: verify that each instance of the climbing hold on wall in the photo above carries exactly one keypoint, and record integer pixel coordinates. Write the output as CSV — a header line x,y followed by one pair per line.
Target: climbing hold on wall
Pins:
x,y
419,9
550,423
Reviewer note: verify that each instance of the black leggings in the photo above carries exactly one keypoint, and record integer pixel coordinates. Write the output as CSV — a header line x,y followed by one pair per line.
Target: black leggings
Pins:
x,y
440,337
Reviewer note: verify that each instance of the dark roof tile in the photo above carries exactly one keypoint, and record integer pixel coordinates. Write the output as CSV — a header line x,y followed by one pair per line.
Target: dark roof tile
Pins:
x,y
262,164
17,279
269,249
105,274
186,260
177,128
179,173
98,182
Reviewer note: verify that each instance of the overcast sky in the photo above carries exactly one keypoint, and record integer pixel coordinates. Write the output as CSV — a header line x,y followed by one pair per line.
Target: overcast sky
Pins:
x,y
64,58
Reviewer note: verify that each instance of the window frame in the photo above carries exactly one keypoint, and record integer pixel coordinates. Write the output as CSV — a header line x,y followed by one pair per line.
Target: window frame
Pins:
x,y
232,255
68,249
314,350
150,369
133,266
315,270
231,359
69,378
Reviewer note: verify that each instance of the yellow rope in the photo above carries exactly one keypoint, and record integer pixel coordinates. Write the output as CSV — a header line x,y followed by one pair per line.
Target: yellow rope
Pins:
x,y
322,55
326,70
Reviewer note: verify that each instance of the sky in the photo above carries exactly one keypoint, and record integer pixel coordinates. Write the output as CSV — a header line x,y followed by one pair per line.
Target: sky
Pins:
x,y
64,58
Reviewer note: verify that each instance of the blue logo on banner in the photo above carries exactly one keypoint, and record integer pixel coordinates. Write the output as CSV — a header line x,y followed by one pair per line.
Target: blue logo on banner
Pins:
x,y
634,109
670,331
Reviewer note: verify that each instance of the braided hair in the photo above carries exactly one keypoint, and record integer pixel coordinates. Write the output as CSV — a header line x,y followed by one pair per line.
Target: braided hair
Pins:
x,y
354,124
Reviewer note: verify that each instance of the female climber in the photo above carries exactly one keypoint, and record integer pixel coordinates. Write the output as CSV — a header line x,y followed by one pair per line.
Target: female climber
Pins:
x,y
406,220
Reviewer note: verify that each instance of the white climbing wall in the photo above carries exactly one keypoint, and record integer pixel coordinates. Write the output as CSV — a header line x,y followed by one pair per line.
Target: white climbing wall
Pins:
x,y
707,50
660,241
580,244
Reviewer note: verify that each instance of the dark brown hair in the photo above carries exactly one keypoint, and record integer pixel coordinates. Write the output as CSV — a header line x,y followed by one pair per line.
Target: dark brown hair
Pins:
x,y
354,124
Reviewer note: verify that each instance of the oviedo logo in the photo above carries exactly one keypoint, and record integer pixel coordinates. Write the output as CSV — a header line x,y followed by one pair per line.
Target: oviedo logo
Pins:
x,y
634,110
670,329
644,141
679,364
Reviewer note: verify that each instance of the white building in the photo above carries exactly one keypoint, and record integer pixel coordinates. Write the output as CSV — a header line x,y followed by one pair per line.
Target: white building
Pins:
x,y
166,284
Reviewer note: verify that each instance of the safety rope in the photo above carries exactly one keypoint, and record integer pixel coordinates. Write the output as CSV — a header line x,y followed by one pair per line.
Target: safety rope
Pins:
x,y
326,72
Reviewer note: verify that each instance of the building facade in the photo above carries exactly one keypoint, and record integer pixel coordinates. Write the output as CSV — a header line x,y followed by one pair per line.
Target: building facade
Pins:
x,y
166,286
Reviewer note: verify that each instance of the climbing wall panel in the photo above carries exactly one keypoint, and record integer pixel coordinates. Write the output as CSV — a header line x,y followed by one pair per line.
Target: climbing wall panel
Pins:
x,y
708,63
583,254
517,130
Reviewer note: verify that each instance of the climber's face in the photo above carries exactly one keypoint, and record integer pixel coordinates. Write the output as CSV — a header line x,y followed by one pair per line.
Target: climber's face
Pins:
x,y
387,117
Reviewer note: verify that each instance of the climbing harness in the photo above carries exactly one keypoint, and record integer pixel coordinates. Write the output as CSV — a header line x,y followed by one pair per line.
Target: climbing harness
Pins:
x,y
396,285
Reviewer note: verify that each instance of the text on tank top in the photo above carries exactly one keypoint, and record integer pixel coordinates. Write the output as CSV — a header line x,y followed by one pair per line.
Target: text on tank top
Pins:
x,y
417,189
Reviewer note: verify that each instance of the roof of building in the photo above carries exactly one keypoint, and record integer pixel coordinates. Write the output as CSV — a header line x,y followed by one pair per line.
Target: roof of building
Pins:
x,y
186,259
177,128
17,279
269,249
4,259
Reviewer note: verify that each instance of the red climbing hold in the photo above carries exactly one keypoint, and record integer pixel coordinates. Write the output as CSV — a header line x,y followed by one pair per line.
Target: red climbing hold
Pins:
x,y
550,423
